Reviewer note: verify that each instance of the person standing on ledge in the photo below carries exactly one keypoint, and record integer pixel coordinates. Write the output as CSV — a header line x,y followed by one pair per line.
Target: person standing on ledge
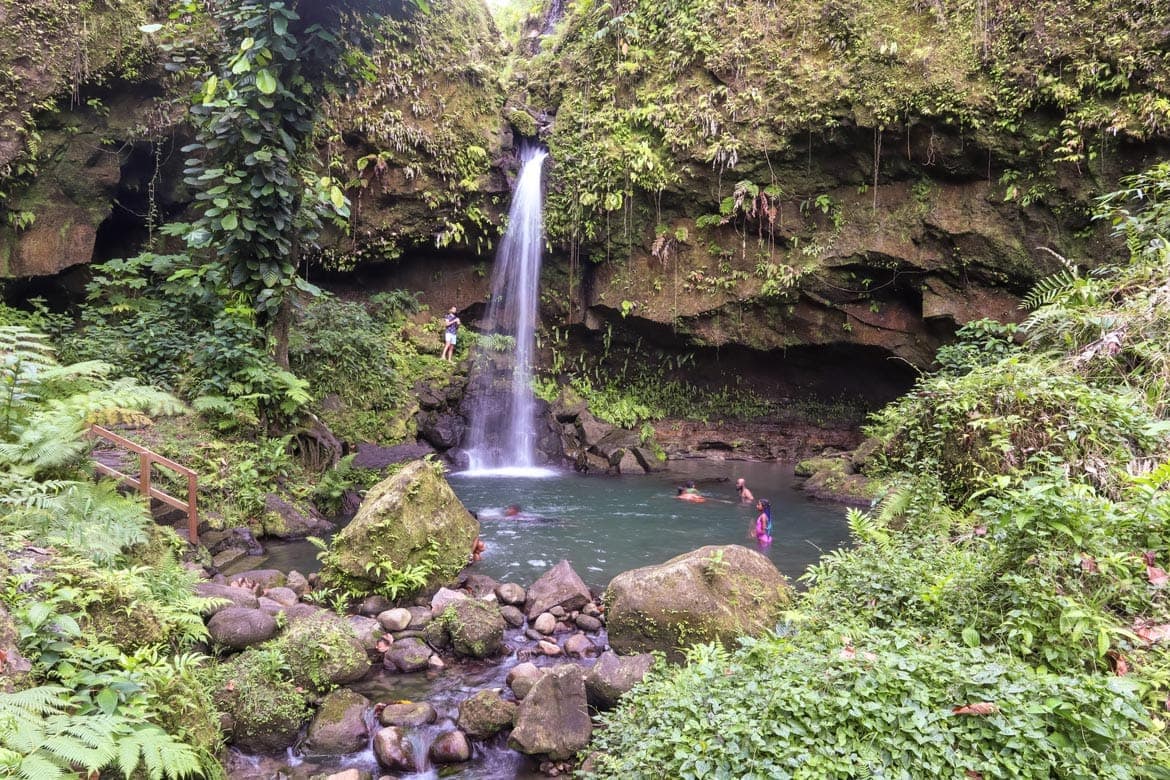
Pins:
x,y
745,494
451,325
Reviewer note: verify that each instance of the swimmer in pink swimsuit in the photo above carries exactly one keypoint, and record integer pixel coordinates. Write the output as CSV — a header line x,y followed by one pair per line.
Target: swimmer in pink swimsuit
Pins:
x,y
763,529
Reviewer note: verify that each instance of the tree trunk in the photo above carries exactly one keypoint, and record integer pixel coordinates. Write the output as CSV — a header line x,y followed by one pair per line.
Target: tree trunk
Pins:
x,y
280,331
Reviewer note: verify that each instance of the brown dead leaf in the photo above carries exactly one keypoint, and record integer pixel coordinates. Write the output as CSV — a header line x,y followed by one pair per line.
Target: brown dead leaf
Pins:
x,y
1088,564
977,708
1151,633
1157,576
971,774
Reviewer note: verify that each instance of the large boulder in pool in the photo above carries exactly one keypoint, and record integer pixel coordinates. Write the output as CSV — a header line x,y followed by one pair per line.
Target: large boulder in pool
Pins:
x,y
412,519
713,593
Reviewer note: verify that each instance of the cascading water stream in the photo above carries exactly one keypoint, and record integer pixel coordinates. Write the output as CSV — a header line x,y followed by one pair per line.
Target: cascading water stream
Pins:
x,y
502,434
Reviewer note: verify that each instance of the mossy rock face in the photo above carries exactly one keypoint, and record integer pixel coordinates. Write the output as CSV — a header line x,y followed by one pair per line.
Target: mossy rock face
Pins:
x,y
835,479
323,652
266,710
710,594
339,726
477,628
412,519
485,714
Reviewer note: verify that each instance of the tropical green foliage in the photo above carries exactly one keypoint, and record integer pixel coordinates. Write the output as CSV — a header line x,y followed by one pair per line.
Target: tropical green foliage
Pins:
x,y
1003,612
261,203
882,704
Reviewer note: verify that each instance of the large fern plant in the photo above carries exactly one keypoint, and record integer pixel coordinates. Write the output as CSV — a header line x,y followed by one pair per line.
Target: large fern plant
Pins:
x,y
41,740
45,484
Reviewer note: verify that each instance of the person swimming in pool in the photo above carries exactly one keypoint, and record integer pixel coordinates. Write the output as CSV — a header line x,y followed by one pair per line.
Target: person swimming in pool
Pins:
x,y
690,493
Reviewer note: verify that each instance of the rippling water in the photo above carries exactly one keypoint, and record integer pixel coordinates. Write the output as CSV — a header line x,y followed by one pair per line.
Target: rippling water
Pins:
x,y
607,525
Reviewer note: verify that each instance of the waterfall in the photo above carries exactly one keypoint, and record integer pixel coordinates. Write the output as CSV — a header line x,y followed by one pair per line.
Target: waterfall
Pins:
x,y
502,434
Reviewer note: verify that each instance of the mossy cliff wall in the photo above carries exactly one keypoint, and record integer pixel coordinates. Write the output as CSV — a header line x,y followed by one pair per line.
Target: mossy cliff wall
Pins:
x,y
90,125
68,106
786,175
775,178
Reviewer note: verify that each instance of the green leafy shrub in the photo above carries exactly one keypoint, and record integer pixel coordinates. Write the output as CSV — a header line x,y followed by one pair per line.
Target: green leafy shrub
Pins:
x,y
874,705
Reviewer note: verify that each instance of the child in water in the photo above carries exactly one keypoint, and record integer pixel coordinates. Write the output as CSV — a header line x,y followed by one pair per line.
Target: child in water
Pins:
x,y
763,527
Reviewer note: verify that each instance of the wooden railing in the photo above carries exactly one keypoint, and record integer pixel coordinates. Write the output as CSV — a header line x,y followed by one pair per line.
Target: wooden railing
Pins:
x,y
146,460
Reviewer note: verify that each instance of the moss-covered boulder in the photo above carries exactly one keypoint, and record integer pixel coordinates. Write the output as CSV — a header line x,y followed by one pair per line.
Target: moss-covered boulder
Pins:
x,y
836,479
476,628
711,594
486,714
323,652
264,708
411,521
339,725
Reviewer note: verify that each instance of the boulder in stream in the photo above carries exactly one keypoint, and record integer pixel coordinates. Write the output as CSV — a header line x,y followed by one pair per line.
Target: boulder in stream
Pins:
x,y
230,596
407,655
450,747
614,675
558,587
476,628
412,519
265,711
553,719
394,749
408,714
323,652
240,627
339,726
510,593
522,677
486,714
710,594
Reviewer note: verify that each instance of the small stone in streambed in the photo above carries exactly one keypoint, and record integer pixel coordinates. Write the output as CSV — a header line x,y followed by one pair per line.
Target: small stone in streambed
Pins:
x,y
372,606
394,749
591,610
284,596
533,634
522,677
510,593
407,655
549,648
558,611
297,582
579,646
512,616
545,623
349,774
408,714
486,714
450,747
588,623
395,619
419,617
